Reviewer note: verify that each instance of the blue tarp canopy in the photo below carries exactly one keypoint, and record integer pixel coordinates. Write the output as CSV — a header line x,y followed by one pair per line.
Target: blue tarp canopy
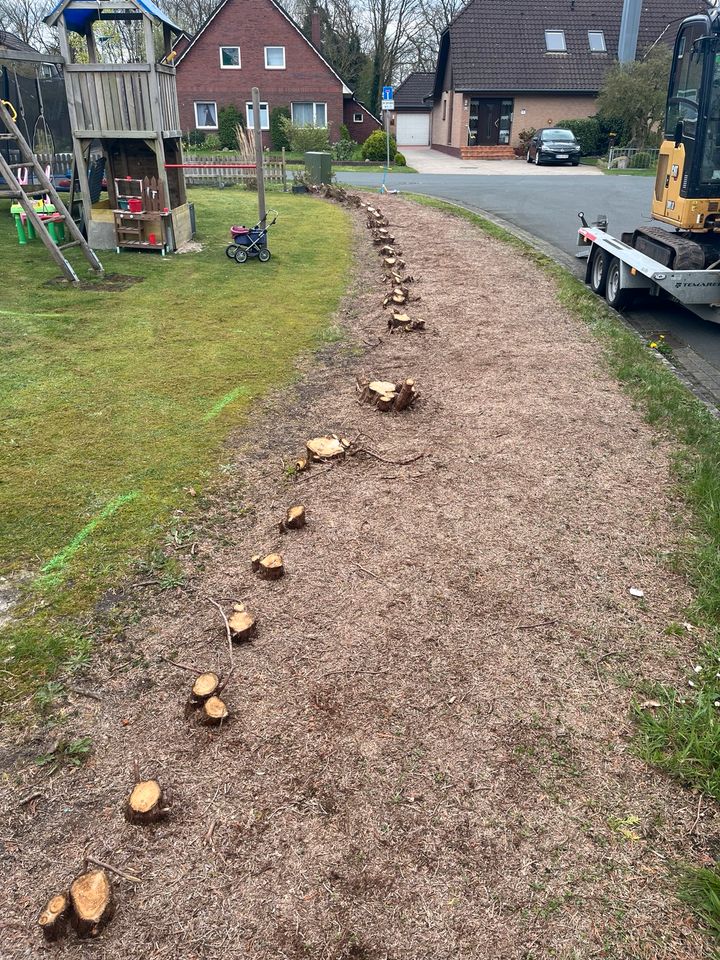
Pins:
x,y
78,19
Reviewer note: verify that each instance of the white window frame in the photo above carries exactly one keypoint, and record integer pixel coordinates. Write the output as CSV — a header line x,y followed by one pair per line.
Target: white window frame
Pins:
x,y
264,109
555,33
597,33
274,67
199,126
230,66
358,117
315,105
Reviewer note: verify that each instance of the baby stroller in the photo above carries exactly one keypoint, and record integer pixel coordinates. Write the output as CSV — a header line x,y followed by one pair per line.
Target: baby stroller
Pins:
x,y
251,241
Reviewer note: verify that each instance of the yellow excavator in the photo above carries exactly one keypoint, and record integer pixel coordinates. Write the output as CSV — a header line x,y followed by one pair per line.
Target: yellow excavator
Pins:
x,y
685,261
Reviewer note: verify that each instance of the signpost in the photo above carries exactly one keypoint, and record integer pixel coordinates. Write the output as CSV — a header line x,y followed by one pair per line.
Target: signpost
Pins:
x,y
388,104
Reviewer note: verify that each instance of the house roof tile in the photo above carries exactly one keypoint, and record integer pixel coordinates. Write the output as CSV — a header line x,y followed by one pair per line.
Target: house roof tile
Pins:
x,y
498,46
412,91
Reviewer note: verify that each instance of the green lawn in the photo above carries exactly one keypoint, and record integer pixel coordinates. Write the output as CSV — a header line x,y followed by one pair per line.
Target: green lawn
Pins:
x,y
113,403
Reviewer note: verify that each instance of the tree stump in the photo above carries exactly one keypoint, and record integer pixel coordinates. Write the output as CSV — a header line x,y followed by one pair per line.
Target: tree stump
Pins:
x,y
271,567
54,917
205,686
255,562
327,448
385,401
91,896
145,804
213,712
242,625
406,395
301,464
294,519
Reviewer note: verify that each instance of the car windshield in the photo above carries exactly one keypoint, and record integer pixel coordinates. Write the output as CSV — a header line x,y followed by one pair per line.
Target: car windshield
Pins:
x,y
565,135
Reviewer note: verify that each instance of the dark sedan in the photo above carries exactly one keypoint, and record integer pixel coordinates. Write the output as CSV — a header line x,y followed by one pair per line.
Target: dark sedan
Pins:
x,y
553,145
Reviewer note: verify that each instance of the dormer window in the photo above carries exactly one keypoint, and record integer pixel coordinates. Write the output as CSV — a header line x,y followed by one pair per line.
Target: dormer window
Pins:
x,y
555,41
596,39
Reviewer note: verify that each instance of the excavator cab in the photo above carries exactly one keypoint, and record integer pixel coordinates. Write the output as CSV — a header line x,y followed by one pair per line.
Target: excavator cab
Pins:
x,y
687,186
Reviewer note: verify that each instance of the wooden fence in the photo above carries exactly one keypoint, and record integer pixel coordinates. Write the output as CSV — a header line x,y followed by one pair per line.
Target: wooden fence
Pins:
x,y
275,170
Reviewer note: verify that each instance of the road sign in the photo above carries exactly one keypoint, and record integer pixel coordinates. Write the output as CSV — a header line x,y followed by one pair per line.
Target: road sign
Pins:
x,y
387,93
388,104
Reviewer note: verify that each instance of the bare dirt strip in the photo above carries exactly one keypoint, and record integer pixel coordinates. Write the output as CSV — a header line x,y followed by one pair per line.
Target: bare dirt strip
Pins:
x,y
429,754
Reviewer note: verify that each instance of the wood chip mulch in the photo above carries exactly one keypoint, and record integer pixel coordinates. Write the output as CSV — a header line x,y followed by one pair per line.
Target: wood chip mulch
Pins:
x,y
429,753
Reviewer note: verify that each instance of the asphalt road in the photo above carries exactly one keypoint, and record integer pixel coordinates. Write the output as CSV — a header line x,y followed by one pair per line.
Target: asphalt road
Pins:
x,y
546,208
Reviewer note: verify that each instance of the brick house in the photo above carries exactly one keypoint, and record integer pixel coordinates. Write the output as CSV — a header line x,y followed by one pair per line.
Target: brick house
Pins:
x,y
410,120
503,67
255,43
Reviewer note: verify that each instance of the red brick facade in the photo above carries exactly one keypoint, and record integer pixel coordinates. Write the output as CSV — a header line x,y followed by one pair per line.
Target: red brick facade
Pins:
x,y
358,129
252,25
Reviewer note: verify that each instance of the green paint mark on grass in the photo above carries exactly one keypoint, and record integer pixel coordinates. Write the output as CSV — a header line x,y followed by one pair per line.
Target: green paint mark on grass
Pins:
x,y
54,566
221,404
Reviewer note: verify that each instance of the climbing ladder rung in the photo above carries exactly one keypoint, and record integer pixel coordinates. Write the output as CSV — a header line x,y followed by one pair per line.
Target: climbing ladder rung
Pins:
x,y
66,246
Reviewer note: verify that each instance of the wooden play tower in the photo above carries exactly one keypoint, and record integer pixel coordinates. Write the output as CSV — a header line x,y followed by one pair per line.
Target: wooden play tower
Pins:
x,y
128,113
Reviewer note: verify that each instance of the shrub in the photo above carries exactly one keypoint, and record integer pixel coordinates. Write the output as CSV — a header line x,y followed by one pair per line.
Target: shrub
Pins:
x,y
400,160
278,134
587,133
228,118
375,147
344,132
343,150
196,138
212,143
641,161
302,139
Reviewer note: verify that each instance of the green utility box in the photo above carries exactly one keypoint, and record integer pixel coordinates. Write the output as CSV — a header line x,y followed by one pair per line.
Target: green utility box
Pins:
x,y
318,166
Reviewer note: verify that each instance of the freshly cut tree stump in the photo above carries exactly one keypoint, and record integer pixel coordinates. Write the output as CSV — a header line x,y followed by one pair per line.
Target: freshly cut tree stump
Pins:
x,y
385,401
213,712
301,464
406,395
398,296
255,562
294,518
271,567
145,804
402,322
205,686
91,896
242,625
54,917
376,389
326,448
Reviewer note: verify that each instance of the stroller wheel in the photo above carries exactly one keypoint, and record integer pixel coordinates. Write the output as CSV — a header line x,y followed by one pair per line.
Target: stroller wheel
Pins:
x,y
264,255
230,250
240,254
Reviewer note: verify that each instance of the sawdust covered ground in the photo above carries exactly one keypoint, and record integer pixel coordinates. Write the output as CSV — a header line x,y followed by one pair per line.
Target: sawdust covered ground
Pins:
x,y
429,755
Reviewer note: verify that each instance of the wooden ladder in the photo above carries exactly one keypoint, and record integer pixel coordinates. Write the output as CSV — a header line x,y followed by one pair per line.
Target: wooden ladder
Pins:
x,y
16,191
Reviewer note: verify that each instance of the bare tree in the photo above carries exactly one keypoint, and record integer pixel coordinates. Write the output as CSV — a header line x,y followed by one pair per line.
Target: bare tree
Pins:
x,y
389,24
24,19
432,17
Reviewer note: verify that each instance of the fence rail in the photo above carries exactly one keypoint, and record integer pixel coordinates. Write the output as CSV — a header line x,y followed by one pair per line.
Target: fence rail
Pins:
x,y
633,158
275,170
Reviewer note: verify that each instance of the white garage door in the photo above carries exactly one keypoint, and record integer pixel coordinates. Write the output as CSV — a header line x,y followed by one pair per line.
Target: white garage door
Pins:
x,y
413,129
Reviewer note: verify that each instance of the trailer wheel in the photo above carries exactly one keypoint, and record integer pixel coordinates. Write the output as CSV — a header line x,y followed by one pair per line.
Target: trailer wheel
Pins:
x,y
614,293
598,271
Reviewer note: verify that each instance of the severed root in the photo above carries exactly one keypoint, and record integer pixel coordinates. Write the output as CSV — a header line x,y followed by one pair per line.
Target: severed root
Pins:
x,y
294,519
54,917
146,803
91,896
271,567
242,625
213,712
328,447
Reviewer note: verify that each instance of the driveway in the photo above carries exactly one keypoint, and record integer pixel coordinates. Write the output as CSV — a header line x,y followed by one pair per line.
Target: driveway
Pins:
x,y
543,204
427,160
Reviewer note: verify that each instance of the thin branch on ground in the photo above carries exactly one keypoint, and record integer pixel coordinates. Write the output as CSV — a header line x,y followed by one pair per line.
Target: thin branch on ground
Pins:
x,y
228,634
112,869
180,666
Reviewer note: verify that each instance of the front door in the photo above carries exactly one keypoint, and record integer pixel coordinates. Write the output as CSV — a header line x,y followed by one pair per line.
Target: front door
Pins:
x,y
489,122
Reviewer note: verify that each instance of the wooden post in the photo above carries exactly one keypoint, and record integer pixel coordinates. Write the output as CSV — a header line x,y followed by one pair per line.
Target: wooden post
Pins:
x,y
259,173
81,162
91,45
284,172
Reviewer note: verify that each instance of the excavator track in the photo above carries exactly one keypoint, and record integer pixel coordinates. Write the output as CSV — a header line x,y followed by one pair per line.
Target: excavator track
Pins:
x,y
670,249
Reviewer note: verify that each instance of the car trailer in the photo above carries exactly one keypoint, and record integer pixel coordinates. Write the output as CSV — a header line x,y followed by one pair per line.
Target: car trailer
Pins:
x,y
618,271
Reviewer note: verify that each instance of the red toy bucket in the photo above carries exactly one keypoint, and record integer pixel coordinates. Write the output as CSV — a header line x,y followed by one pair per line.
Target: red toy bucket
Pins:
x,y
135,204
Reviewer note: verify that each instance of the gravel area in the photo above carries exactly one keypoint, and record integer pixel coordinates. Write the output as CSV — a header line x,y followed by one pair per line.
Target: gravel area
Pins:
x,y
429,753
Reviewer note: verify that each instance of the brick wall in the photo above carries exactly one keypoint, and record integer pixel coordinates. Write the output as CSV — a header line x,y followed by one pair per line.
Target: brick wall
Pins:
x,y
252,25
548,111
359,132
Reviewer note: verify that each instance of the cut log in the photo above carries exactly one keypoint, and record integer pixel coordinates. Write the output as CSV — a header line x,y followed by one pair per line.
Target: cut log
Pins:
x,y
93,905
214,712
145,804
242,625
406,395
54,917
205,686
295,518
255,562
271,567
325,448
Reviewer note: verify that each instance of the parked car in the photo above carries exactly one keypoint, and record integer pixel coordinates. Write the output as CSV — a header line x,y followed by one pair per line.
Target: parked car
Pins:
x,y
553,145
